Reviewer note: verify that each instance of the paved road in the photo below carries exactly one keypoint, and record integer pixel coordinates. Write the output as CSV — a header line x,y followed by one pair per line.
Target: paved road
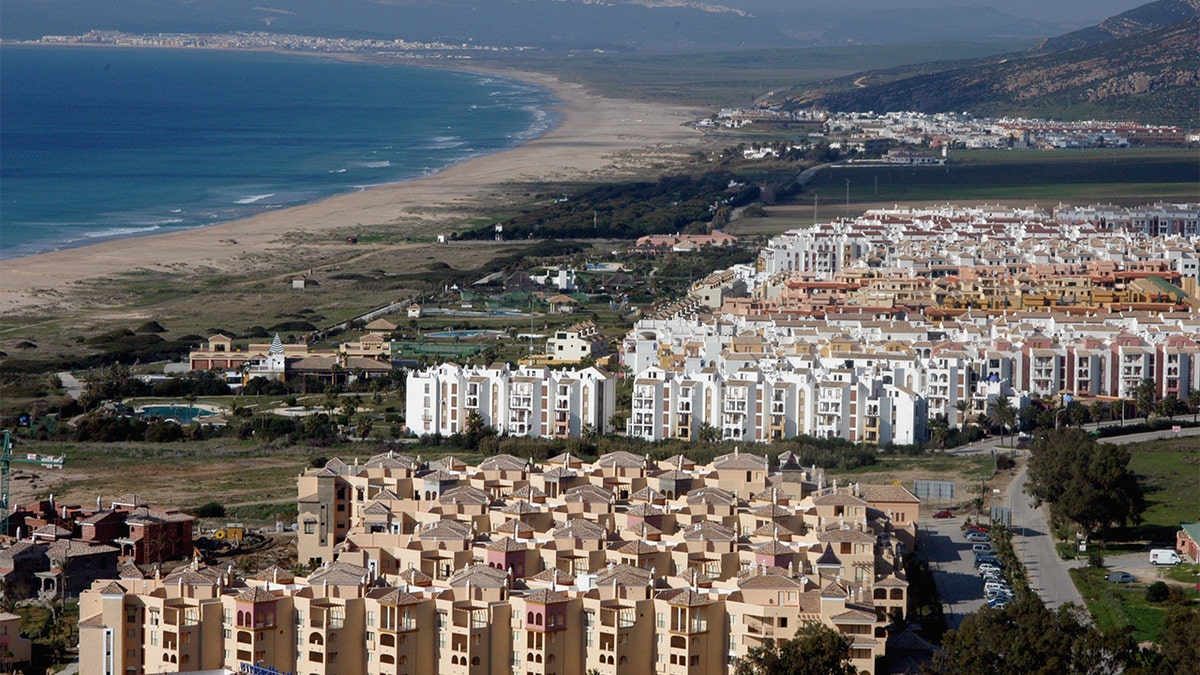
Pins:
x,y
953,564
71,384
993,443
1034,546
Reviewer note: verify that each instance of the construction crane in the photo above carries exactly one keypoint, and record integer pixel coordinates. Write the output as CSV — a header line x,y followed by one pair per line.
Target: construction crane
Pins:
x,y
6,462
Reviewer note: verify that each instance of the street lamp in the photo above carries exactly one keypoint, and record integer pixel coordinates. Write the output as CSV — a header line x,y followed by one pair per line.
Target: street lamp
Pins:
x,y
1058,416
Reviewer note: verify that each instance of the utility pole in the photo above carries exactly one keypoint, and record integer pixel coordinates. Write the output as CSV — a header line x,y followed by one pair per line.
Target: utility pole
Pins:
x,y
847,196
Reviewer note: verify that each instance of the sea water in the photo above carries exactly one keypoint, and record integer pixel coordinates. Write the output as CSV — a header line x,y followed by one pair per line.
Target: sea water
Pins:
x,y
98,143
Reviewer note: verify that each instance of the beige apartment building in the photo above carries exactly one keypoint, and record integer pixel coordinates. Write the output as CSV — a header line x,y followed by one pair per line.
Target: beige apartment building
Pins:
x,y
624,565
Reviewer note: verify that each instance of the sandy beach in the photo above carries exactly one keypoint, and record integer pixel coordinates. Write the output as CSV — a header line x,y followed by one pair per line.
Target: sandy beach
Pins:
x,y
596,138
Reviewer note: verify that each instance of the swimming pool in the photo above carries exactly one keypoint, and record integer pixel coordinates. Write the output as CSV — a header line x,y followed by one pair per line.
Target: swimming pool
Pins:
x,y
182,414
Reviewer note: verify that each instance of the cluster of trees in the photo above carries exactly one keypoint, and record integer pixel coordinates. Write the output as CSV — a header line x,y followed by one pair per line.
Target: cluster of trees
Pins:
x,y
629,210
815,650
1084,482
1026,637
118,381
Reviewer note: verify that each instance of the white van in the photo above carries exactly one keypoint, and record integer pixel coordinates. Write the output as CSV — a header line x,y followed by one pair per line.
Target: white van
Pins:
x,y
1164,556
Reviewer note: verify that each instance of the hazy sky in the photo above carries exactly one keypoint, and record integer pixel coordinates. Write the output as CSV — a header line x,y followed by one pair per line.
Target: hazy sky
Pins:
x,y
1088,11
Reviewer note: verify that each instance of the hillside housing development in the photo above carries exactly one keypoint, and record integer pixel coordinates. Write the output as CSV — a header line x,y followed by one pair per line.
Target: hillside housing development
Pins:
x,y
622,565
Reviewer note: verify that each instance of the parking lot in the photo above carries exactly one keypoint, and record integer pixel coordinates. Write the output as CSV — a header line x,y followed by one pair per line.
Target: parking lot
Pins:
x,y
959,585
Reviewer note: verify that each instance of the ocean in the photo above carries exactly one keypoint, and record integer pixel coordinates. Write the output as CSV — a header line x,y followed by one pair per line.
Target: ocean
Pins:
x,y
100,143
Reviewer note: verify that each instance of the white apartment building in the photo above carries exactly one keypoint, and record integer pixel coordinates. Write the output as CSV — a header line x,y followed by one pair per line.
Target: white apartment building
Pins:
x,y
756,406
527,401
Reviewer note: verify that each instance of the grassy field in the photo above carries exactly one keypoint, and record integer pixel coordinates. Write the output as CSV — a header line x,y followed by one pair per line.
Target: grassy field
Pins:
x,y
738,78
1169,472
966,472
1009,177
1091,175
1119,605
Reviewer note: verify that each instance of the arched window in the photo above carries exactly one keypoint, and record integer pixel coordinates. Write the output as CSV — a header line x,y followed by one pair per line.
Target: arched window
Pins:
x,y
530,619
316,639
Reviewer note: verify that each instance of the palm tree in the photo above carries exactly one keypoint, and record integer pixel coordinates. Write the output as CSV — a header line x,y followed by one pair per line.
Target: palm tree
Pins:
x,y
708,433
964,410
1002,414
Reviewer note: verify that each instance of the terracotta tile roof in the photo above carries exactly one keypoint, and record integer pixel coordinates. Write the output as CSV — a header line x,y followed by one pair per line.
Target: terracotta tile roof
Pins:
x,y
578,528
520,508
711,495
588,494
96,621
503,463
833,590
769,581
394,597
709,531
644,510
255,594
415,577
839,535
685,597
546,597
528,492
635,547
622,459
480,576
113,588
773,548
465,494
888,493
446,529
624,575
838,499
515,527
740,461
506,545
338,573
553,575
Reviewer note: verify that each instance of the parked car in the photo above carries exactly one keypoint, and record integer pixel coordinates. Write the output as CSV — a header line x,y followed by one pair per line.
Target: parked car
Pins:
x,y
996,584
1121,577
944,513
989,559
983,549
985,568
998,603
979,528
977,537
1164,556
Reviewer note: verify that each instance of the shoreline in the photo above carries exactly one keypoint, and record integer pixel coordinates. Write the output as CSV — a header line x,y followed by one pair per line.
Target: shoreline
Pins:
x,y
591,140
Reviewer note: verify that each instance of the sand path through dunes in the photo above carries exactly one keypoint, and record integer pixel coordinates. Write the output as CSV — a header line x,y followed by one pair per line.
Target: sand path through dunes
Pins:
x,y
596,138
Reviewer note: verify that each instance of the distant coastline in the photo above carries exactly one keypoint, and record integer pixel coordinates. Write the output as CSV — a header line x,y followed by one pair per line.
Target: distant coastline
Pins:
x,y
441,153
591,135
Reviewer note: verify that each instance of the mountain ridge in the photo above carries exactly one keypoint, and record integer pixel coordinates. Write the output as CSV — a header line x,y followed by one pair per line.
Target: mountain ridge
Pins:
x,y
1151,76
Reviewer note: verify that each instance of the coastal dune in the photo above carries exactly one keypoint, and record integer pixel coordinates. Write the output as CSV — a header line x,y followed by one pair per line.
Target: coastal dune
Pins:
x,y
596,138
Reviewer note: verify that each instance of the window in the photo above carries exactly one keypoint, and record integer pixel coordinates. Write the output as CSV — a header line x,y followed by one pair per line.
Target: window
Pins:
x,y
310,527
370,619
